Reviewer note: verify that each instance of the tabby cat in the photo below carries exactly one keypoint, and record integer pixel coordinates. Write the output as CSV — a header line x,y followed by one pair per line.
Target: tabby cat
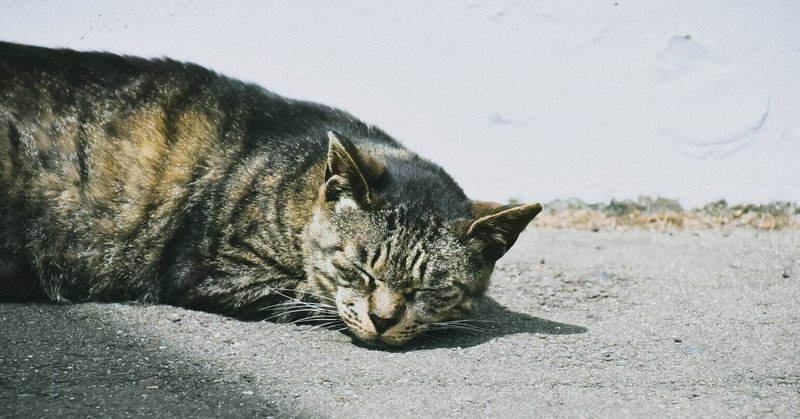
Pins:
x,y
154,180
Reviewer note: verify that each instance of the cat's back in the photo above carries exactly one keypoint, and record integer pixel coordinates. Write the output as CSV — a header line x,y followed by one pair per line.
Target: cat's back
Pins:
x,y
98,86
84,119
25,66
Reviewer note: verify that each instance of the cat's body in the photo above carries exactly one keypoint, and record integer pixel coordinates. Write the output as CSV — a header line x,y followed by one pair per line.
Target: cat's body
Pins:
x,y
123,178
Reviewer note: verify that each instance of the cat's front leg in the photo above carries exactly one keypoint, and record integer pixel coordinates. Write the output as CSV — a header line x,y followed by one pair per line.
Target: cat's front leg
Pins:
x,y
249,297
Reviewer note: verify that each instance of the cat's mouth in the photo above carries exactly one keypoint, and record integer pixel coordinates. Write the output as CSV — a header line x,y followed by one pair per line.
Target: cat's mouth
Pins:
x,y
375,331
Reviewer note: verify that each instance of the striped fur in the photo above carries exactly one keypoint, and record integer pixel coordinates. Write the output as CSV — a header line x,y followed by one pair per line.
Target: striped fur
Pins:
x,y
153,180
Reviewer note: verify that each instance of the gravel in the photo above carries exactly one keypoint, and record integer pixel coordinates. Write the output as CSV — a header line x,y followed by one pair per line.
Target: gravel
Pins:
x,y
577,323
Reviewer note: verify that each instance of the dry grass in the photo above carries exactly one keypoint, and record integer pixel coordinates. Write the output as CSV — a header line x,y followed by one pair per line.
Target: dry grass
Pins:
x,y
622,216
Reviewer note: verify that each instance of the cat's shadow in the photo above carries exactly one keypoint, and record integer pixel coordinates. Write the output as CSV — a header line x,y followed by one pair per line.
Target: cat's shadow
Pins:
x,y
493,321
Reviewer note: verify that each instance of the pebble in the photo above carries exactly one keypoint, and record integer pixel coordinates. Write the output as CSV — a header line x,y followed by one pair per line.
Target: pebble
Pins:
x,y
149,383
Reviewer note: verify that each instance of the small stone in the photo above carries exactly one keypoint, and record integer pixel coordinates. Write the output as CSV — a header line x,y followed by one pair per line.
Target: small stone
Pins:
x,y
248,392
785,275
677,340
149,383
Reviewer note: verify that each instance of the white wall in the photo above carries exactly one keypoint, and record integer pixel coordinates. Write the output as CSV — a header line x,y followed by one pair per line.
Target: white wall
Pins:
x,y
532,100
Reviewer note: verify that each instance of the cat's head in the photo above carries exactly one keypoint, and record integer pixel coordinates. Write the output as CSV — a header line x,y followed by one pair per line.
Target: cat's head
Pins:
x,y
398,247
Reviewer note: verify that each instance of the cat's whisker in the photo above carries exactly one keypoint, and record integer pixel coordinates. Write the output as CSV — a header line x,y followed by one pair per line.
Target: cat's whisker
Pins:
x,y
293,299
306,303
467,331
295,304
339,329
320,296
476,320
326,325
314,319
301,308
470,322
288,312
461,327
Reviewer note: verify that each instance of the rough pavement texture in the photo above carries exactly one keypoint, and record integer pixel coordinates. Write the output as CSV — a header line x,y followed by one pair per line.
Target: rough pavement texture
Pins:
x,y
702,323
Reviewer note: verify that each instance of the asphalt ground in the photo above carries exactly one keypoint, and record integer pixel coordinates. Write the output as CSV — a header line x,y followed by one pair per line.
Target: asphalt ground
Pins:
x,y
701,323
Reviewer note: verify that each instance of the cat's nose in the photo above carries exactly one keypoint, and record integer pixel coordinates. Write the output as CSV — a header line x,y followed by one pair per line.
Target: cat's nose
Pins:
x,y
382,324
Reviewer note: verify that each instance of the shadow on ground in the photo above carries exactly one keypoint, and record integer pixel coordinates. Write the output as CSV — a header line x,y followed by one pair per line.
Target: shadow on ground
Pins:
x,y
64,360
493,321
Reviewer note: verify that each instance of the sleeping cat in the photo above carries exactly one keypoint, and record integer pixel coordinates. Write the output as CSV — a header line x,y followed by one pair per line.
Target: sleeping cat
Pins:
x,y
154,180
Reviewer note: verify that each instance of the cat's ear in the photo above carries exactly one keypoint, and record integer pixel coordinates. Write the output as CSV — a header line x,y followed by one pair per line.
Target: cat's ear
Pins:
x,y
343,176
497,227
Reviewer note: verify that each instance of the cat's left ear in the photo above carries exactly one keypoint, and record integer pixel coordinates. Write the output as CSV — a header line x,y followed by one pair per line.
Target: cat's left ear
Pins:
x,y
497,227
347,171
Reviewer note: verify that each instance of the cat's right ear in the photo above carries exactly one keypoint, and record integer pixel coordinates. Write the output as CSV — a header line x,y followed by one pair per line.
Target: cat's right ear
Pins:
x,y
343,177
498,226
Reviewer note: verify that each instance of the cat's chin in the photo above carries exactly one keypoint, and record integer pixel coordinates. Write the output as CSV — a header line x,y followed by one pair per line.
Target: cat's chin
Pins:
x,y
382,342
375,340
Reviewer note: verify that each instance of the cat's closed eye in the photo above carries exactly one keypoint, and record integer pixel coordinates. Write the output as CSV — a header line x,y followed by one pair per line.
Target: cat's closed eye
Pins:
x,y
364,272
413,293
363,276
